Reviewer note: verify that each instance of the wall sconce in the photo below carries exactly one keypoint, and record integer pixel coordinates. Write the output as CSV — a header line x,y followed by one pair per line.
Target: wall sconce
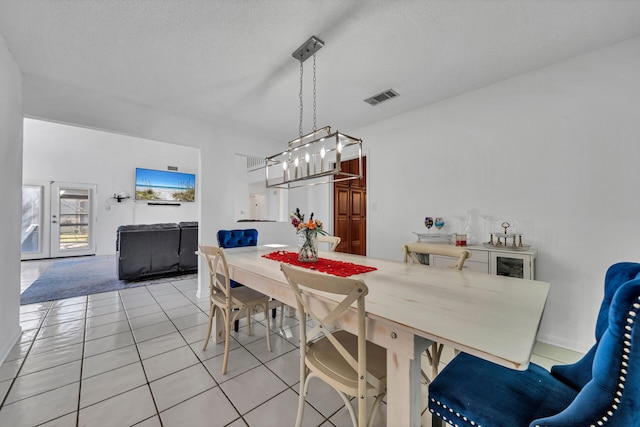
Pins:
x,y
123,195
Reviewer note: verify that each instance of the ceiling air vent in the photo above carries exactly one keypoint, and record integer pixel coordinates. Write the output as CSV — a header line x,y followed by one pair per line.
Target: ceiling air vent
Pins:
x,y
382,96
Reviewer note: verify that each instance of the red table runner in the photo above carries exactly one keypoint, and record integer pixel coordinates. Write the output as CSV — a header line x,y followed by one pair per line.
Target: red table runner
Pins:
x,y
337,268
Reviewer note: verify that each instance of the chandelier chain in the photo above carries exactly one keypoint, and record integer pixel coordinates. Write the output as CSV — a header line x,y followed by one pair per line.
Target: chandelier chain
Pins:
x,y
300,95
314,92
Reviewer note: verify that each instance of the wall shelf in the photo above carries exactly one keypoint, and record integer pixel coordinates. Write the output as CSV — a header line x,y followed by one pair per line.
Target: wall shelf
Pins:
x,y
120,198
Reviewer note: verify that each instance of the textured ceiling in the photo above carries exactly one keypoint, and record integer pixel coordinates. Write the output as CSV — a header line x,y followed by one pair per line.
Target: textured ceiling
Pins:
x,y
230,61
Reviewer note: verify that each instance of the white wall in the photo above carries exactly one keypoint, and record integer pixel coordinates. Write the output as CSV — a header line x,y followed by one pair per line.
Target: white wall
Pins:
x,y
59,152
557,149
10,213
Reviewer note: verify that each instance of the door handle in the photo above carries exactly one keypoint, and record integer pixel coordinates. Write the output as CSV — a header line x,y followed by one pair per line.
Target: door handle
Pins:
x,y
54,222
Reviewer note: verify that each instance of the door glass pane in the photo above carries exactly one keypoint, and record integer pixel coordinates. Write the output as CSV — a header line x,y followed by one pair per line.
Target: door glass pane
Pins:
x,y
31,219
74,219
511,267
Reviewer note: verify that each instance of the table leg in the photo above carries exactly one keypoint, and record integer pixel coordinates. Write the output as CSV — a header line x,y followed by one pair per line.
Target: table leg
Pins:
x,y
403,385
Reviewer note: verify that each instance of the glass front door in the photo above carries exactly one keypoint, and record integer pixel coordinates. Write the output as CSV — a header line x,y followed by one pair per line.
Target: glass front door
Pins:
x,y
32,216
72,219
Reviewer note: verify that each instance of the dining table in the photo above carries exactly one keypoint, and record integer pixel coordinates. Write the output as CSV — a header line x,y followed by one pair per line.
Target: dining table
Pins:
x,y
409,306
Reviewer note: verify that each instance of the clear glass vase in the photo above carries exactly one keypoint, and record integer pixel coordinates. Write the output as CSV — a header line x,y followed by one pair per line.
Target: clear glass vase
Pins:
x,y
307,245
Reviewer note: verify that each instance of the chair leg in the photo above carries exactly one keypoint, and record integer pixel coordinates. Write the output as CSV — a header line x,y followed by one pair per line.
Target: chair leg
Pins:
x,y
265,308
372,414
236,325
349,406
436,350
273,313
212,309
227,338
281,314
303,391
425,377
249,322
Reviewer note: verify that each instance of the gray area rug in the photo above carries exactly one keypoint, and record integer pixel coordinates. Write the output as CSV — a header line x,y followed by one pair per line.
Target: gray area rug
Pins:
x,y
83,276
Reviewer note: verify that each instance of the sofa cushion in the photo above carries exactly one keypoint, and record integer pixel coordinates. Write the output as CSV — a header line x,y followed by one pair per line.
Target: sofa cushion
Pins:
x,y
146,249
188,245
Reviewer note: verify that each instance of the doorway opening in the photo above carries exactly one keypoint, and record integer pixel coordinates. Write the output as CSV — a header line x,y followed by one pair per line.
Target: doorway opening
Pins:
x,y
58,219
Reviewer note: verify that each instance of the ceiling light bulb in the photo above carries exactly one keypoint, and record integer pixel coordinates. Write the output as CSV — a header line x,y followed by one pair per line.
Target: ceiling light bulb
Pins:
x,y
307,157
284,165
322,152
340,147
296,162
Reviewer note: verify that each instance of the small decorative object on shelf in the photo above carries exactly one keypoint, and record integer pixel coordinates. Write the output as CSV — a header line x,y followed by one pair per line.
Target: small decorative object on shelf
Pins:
x,y
512,241
307,236
120,197
439,223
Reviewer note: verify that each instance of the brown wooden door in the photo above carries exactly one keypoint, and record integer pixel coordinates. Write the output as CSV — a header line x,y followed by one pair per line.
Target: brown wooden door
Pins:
x,y
350,211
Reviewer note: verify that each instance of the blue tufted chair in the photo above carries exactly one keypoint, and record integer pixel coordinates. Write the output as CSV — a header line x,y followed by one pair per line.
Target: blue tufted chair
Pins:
x,y
603,388
237,239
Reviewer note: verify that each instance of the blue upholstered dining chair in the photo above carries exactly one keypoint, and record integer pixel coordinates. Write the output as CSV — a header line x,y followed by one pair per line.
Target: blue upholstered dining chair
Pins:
x,y
236,239
601,389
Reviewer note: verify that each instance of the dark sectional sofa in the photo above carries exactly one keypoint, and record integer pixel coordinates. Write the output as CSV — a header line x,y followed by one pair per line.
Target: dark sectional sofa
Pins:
x,y
150,250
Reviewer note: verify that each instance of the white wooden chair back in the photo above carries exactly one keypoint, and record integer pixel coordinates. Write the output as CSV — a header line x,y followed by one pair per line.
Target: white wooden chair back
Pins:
x,y
219,281
354,291
410,251
228,302
333,241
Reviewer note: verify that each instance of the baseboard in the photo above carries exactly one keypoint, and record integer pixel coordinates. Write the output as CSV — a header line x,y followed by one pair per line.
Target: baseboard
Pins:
x,y
7,346
579,347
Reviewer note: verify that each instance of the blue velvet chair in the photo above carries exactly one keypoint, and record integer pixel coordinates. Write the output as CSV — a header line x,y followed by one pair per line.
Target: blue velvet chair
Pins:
x,y
236,239
601,389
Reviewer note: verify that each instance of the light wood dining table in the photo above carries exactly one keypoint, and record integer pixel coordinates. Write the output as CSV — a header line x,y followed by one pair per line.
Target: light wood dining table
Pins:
x,y
409,306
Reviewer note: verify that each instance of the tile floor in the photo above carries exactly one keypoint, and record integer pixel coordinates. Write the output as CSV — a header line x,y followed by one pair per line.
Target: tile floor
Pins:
x,y
134,357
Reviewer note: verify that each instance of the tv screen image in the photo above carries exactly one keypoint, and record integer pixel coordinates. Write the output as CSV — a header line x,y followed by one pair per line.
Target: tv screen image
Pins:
x,y
166,186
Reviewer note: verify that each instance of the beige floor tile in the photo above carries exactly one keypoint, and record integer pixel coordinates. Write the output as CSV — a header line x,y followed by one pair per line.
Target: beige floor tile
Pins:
x,y
206,409
122,410
160,344
38,361
29,385
111,383
180,386
282,411
170,362
42,407
110,360
253,388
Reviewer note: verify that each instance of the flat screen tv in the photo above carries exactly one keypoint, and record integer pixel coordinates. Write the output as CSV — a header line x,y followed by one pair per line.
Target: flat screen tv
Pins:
x,y
165,186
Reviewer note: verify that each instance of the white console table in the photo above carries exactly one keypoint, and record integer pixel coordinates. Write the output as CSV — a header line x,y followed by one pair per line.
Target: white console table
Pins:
x,y
503,262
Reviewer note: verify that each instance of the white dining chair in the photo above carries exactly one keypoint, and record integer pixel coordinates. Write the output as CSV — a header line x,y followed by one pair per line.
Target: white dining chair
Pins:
x,y
228,302
348,363
413,252
333,241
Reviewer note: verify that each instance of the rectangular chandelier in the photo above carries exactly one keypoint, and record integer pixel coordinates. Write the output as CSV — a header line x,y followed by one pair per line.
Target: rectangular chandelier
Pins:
x,y
314,158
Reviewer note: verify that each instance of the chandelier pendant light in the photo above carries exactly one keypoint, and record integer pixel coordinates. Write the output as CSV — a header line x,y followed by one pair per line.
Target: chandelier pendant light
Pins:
x,y
316,157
